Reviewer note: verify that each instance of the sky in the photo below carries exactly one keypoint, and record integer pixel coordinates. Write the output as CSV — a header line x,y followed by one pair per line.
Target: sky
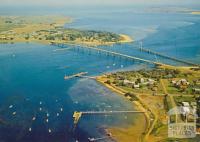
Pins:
x,y
95,2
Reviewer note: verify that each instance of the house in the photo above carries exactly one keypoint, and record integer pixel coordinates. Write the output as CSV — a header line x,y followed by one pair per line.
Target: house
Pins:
x,y
181,82
141,80
128,82
194,105
185,104
196,90
184,82
173,82
136,86
197,82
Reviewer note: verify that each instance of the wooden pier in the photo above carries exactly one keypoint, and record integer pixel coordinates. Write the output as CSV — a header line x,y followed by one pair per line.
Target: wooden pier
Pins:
x,y
110,112
75,75
77,115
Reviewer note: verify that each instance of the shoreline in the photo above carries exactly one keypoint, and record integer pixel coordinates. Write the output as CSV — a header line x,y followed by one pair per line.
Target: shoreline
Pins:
x,y
195,12
36,30
156,120
125,39
140,136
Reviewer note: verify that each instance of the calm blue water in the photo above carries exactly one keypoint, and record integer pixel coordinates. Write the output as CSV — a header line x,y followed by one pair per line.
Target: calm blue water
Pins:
x,y
172,34
32,78
32,81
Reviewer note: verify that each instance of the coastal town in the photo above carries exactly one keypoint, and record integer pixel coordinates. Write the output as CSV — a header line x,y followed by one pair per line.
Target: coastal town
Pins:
x,y
47,29
158,91
111,76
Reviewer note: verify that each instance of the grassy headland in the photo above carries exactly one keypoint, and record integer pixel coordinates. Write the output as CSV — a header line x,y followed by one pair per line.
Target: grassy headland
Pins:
x,y
156,91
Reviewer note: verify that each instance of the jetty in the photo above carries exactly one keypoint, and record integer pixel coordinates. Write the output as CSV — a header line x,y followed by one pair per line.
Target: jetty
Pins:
x,y
77,115
75,75
98,139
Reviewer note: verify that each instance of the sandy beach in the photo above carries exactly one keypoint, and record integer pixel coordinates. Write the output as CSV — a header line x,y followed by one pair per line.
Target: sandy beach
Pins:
x,y
136,131
126,38
196,12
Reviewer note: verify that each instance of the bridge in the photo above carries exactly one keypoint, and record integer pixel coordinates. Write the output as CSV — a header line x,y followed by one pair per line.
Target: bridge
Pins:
x,y
99,50
117,54
165,56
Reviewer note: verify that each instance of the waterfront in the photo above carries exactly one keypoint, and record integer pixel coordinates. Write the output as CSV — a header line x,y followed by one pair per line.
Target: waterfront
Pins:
x,y
38,82
32,76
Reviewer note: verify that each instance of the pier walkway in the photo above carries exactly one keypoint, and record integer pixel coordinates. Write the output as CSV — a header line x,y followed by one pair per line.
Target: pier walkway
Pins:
x,y
110,112
75,75
77,115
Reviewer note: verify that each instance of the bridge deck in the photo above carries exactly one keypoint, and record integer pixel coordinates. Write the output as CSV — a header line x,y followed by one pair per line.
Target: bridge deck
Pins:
x,y
167,56
122,55
132,57
112,53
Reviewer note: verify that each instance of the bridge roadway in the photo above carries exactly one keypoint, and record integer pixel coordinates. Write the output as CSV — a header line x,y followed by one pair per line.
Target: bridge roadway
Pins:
x,y
166,56
110,52
131,57
122,55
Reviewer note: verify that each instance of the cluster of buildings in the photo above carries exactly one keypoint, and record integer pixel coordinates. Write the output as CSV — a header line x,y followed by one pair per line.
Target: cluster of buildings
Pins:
x,y
181,82
138,82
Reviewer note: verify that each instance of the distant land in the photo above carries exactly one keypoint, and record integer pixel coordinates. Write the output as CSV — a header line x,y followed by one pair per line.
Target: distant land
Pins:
x,y
47,29
195,12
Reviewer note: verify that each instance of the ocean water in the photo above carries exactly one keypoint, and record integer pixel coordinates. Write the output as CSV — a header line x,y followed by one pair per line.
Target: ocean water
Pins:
x,y
32,84
173,34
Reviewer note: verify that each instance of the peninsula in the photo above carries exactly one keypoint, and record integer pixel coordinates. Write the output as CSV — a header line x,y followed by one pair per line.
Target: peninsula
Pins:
x,y
156,91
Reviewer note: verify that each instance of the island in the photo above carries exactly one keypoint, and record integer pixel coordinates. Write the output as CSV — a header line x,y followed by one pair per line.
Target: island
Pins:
x,y
48,29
